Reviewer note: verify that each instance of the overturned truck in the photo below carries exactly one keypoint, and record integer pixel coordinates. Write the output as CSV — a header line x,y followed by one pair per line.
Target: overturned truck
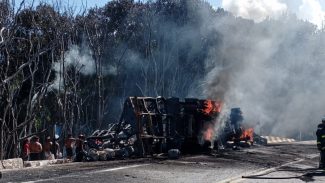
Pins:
x,y
151,125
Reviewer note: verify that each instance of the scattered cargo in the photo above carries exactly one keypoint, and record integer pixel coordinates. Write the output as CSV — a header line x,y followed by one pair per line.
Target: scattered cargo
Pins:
x,y
150,126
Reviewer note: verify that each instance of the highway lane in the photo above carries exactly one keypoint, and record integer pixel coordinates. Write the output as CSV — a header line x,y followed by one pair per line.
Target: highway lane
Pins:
x,y
227,166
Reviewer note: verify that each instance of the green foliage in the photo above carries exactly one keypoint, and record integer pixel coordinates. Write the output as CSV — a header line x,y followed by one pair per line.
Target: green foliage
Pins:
x,y
37,123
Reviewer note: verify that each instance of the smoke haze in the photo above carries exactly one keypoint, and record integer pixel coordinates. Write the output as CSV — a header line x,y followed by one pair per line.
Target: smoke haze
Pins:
x,y
259,10
311,10
272,68
263,59
78,58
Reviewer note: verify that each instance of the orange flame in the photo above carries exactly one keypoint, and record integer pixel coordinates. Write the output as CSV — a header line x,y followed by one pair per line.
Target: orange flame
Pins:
x,y
247,134
211,107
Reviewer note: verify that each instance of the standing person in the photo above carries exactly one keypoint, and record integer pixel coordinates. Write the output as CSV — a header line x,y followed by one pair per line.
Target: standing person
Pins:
x,y
80,147
56,148
26,150
68,144
35,149
48,145
320,133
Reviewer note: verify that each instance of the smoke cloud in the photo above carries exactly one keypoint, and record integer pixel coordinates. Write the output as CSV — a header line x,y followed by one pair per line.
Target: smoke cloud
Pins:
x,y
311,10
257,10
271,69
78,58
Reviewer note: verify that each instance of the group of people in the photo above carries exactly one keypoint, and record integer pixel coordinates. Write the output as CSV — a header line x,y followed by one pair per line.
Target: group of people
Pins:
x,y
33,150
79,147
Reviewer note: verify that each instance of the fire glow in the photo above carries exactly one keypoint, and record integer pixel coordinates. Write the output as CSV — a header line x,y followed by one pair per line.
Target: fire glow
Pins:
x,y
247,134
211,107
208,132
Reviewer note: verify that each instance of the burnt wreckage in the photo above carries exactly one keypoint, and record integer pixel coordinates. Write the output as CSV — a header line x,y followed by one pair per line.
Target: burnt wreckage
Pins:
x,y
155,125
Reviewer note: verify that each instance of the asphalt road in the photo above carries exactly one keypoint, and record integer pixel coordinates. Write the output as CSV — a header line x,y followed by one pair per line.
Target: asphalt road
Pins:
x,y
275,161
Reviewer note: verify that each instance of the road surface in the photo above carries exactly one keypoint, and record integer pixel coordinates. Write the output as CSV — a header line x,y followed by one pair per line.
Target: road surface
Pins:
x,y
275,161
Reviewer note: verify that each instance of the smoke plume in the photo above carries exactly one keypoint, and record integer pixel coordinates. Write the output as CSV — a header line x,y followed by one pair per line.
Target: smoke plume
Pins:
x,y
272,68
78,58
311,10
257,10
262,59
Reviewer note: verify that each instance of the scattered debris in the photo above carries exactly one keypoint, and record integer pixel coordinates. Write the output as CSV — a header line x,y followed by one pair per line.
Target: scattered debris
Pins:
x,y
158,125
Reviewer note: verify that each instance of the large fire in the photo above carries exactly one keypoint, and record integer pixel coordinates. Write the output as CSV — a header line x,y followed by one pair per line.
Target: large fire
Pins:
x,y
210,108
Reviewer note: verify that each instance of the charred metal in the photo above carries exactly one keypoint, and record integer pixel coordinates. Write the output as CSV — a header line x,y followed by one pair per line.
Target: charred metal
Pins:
x,y
149,126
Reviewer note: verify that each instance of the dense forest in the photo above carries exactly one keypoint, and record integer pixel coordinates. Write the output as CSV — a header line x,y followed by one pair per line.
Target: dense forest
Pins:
x,y
75,69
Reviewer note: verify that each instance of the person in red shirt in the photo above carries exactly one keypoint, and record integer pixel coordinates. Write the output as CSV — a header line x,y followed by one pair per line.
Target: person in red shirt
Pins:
x,y
26,150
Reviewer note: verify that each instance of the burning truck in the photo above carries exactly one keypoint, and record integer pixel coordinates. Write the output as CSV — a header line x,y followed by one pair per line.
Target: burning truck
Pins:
x,y
149,126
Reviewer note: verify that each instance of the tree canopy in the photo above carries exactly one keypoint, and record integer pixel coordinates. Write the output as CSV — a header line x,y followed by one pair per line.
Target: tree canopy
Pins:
x,y
57,67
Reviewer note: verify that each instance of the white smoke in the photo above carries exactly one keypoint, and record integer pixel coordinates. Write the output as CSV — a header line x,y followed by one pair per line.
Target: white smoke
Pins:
x,y
257,10
311,10
272,70
78,58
